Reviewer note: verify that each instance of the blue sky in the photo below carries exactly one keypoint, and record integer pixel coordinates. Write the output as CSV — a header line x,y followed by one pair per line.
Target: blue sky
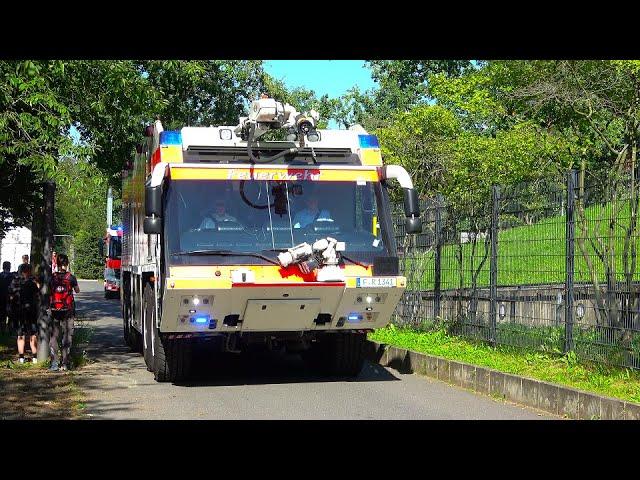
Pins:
x,y
331,77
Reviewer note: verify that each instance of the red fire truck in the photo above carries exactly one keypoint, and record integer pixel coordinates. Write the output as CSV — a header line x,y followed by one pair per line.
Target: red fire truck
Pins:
x,y
112,251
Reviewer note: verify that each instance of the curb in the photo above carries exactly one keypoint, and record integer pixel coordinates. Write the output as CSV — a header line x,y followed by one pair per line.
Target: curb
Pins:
x,y
549,397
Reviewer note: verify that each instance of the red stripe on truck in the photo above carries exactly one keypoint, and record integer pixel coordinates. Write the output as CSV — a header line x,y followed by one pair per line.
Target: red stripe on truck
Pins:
x,y
287,285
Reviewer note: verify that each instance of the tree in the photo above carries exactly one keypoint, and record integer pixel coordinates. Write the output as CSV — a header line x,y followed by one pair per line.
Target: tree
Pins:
x,y
402,84
599,101
33,122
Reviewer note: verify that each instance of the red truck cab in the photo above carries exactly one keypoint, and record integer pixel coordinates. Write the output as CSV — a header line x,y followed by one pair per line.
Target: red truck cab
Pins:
x,y
112,252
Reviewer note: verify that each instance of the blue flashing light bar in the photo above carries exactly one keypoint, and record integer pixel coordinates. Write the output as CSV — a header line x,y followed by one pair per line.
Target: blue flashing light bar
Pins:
x,y
368,141
116,227
202,319
354,317
170,137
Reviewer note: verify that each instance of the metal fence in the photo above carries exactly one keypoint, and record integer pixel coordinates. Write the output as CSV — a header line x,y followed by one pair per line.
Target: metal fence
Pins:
x,y
547,265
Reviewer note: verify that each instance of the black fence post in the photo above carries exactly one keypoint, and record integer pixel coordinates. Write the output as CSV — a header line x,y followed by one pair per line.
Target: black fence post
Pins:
x,y
493,265
437,274
570,261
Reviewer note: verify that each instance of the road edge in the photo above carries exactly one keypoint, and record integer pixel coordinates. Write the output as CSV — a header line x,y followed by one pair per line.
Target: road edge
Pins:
x,y
549,397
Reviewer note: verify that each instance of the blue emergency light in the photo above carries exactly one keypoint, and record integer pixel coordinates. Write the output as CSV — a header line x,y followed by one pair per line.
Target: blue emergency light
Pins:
x,y
368,141
170,137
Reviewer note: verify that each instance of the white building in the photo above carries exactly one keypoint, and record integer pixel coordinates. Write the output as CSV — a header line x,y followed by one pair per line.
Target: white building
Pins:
x,y
17,242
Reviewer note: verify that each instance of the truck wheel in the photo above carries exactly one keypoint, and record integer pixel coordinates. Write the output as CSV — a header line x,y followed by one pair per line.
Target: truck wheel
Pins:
x,y
147,322
346,353
172,361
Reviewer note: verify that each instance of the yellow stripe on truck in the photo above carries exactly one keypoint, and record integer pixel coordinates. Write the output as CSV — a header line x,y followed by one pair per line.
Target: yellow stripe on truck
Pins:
x,y
171,153
198,283
274,174
371,156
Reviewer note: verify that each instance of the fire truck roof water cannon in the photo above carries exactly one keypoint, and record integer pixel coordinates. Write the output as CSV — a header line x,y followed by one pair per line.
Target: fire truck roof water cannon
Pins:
x,y
232,242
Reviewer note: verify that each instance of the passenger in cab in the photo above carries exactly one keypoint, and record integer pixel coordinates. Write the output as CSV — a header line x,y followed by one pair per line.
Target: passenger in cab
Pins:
x,y
311,213
218,214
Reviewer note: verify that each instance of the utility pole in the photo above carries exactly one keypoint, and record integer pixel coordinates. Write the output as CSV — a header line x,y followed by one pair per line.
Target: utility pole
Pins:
x,y
109,208
44,322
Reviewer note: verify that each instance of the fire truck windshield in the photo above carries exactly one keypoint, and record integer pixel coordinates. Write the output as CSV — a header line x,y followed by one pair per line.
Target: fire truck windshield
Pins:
x,y
266,216
115,247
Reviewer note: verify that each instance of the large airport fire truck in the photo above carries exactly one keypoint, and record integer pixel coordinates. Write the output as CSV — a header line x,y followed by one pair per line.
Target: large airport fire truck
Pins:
x,y
232,242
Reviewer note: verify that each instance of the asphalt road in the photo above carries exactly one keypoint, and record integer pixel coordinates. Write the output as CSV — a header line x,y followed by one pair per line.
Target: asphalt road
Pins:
x,y
266,386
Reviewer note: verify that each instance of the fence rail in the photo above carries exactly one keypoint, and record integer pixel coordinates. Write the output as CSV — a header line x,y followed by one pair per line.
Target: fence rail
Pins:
x,y
549,265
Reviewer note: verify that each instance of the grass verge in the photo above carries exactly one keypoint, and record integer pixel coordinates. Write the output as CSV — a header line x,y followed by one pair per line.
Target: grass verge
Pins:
x,y
564,370
30,391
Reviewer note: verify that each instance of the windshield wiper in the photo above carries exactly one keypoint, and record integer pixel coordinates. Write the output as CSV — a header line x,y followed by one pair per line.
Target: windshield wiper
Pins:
x,y
226,253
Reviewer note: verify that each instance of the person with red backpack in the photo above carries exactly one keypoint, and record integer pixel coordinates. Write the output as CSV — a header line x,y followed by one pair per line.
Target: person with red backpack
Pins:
x,y
63,284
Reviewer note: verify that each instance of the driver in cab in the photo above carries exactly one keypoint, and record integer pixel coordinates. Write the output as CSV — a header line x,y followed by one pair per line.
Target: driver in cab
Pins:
x,y
219,214
311,213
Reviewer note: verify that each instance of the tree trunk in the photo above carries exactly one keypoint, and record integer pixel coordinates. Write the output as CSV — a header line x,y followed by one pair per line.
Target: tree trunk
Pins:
x,y
44,320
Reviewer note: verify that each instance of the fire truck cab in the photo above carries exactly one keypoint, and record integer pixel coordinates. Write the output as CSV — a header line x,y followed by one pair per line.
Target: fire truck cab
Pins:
x,y
112,251
232,243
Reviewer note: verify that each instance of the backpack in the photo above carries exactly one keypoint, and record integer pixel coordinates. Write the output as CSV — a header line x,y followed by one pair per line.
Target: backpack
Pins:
x,y
61,292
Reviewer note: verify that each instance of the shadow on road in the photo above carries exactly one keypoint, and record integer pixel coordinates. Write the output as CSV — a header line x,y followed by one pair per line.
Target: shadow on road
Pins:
x,y
92,307
113,366
268,368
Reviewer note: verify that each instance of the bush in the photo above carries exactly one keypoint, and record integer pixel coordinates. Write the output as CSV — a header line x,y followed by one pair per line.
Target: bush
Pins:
x,y
88,262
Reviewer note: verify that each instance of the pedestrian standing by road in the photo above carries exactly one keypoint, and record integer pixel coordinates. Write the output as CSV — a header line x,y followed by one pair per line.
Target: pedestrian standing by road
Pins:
x,y
63,284
5,280
25,259
23,296
54,262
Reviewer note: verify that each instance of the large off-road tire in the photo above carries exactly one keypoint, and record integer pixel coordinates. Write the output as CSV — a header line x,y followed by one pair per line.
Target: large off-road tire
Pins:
x,y
173,358
147,322
341,354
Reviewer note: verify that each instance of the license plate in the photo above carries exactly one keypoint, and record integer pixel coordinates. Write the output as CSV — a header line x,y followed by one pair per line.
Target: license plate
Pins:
x,y
375,282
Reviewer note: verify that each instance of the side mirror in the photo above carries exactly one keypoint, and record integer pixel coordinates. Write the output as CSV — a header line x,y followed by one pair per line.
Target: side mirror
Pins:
x,y
413,224
152,225
153,201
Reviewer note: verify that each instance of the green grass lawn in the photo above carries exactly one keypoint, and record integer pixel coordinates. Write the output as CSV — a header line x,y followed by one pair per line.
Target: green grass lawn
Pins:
x,y
529,254
565,370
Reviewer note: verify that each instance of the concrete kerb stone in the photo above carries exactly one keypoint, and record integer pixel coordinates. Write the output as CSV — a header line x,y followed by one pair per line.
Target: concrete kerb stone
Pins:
x,y
483,378
612,409
513,388
631,411
444,369
568,402
455,372
469,376
496,384
588,406
549,397
431,366
418,363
